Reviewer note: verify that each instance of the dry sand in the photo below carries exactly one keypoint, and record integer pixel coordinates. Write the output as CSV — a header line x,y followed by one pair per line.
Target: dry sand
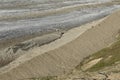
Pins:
x,y
64,54
90,64
14,51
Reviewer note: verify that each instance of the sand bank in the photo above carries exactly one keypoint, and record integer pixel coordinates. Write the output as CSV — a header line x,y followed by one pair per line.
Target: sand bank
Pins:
x,y
65,53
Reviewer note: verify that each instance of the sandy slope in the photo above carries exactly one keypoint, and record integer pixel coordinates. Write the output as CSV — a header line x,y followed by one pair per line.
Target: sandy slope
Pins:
x,y
64,54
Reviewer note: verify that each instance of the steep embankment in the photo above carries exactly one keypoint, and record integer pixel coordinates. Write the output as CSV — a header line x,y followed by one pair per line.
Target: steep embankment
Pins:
x,y
64,54
14,51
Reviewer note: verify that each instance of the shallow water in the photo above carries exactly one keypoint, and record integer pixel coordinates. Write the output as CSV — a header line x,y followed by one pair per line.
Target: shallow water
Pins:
x,y
28,24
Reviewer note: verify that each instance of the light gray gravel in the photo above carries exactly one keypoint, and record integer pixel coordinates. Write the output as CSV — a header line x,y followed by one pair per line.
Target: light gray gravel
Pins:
x,y
17,28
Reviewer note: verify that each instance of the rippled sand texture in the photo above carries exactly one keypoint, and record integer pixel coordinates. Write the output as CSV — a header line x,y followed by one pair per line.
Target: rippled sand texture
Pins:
x,y
60,52
65,53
